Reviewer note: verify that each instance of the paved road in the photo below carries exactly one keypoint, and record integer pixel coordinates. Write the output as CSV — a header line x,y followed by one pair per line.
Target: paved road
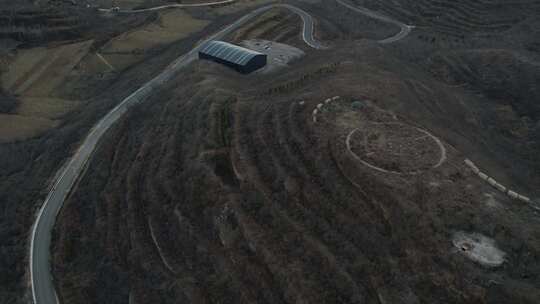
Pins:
x,y
43,291
308,27
405,29
157,8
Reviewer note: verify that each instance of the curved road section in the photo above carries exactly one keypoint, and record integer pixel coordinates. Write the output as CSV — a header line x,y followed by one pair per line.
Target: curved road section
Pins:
x,y
307,28
404,28
43,291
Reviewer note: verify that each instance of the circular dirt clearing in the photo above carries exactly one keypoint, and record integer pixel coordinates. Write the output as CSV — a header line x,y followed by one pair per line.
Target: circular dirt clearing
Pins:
x,y
396,148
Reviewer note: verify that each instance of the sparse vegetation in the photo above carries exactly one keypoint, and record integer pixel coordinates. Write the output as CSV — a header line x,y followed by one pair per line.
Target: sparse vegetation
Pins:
x,y
249,201
17,127
279,212
132,47
278,25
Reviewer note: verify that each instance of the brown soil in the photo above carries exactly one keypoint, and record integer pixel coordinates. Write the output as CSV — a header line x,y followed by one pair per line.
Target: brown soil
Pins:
x,y
249,201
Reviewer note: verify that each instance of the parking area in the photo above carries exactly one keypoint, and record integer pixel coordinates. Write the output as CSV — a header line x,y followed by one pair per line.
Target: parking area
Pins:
x,y
279,54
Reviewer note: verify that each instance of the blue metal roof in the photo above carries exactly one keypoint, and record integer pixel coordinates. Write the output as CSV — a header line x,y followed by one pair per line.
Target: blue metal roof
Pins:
x,y
229,52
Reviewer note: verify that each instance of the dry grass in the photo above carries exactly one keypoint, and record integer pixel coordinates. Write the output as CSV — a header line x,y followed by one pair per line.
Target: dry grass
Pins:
x,y
124,4
18,127
65,59
24,62
44,107
129,4
34,75
263,23
36,72
171,26
92,65
277,25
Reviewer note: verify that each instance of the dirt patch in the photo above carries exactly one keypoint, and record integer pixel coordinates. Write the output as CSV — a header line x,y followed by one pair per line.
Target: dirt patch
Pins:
x,y
279,55
479,248
379,140
395,147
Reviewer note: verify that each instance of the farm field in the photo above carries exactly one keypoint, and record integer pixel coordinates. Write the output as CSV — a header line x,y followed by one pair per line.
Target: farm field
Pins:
x,y
34,75
132,47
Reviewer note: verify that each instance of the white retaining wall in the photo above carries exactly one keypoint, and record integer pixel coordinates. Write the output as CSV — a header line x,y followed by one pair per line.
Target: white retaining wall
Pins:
x,y
495,184
321,105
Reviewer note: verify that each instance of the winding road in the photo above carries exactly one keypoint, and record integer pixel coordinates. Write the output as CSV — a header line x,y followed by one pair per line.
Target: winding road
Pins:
x,y
43,291
404,28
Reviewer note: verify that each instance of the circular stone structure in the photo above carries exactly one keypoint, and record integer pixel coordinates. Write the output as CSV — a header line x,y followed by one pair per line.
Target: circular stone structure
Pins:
x,y
395,147
478,248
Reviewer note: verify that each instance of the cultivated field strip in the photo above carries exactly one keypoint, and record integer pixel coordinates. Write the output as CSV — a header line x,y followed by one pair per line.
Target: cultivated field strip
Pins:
x,y
30,25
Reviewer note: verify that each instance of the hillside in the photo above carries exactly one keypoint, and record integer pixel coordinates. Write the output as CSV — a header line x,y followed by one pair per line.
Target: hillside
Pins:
x,y
52,92
355,173
225,190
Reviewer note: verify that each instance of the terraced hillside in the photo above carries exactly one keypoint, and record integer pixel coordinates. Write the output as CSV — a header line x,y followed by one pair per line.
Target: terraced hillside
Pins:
x,y
279,25
459,18
34,26
52,91
227,190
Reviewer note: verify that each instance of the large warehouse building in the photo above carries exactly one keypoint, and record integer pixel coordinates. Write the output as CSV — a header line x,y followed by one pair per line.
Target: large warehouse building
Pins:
x,y
239,58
